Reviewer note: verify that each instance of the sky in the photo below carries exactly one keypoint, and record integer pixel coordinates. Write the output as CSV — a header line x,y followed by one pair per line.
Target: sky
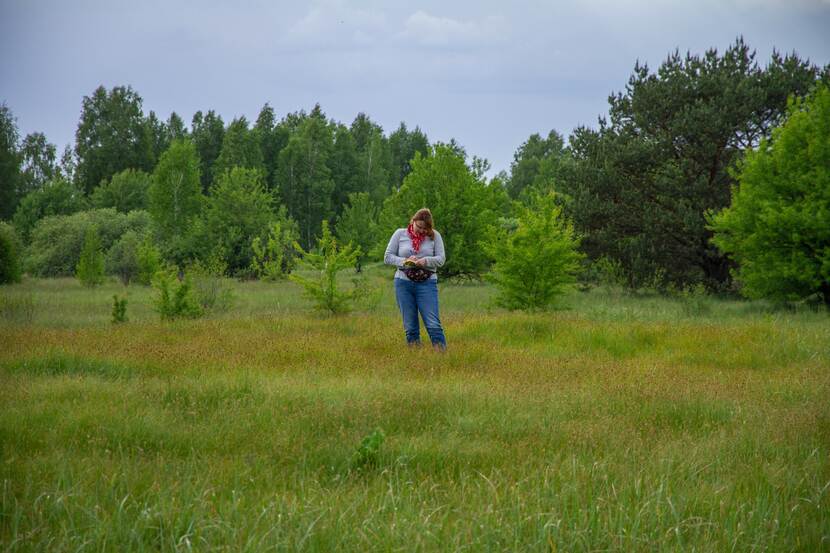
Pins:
x,y
486,73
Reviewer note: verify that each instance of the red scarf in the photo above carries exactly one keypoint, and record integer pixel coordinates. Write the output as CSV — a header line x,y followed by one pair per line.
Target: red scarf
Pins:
x,y
415,237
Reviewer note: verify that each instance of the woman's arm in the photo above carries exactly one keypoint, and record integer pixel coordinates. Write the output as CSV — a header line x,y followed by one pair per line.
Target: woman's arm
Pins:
x,y
391,257
435,261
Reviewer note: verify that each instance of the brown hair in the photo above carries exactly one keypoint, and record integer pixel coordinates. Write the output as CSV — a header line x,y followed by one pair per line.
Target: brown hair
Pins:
x,y
424,215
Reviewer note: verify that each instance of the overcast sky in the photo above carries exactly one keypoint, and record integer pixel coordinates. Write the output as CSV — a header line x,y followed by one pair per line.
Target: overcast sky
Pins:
x,y
487,73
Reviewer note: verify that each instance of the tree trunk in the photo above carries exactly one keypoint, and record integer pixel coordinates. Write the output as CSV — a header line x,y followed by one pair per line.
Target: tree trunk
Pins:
x,y
825,292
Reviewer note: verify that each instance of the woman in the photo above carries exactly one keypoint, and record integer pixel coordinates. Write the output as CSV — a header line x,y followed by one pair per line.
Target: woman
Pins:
x,y
417,251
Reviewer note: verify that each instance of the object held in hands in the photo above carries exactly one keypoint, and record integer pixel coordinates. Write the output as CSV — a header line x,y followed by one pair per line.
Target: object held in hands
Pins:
x,y
414,272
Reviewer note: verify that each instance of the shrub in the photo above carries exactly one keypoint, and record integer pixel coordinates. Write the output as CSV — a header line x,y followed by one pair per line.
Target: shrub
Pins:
x,y
538,261
330,260
367,454
57,197
148,261
90,268
56,242
122,258
778,225
174,298
10,250
119,310
210,287
277,257
237,210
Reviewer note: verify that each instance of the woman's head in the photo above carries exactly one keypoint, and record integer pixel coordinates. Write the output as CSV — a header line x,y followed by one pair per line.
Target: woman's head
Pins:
x,y
422,222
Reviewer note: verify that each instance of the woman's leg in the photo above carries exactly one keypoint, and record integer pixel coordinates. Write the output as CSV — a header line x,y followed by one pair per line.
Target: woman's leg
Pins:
x,y
427,298
405,295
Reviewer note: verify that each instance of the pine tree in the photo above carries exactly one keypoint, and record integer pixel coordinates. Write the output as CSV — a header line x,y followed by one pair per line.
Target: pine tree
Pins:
x,y
330,260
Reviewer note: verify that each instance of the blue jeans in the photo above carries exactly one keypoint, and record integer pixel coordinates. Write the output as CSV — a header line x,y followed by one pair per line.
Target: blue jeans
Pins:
x,y
420,296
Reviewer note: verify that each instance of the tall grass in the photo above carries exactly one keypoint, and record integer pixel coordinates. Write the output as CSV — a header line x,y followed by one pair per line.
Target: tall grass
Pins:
x,y
617,423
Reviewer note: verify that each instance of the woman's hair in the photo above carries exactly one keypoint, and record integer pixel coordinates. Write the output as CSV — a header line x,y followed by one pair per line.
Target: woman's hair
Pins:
x,y
424,215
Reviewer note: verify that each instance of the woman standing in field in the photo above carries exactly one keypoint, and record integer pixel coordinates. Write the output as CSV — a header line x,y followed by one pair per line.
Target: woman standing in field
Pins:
x,y
417,251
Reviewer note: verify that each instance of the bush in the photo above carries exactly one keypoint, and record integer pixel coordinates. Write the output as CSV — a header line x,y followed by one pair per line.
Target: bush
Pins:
x,y
237,210
148,261
10,250
119,310
210,287
57,197
538,261
122,258
90,268
778,225
276,258
174,298
56,243
331,260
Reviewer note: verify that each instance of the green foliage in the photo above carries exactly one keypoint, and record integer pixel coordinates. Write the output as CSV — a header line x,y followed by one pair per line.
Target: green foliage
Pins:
x,y
403,145
537,166
90,268
57,241
304,176
10,161
39,163
374,159
122,257
272,138
111,136
119,309
330,260
538,262
465,208
208,132
367,454
358,224
211,290
778,225
56,197
275,259
175,198
240,148
642,183
125,191
10,254
237,210
174,298
148,261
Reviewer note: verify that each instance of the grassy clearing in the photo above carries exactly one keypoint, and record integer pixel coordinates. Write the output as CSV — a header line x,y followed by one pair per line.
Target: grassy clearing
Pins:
x,y
619,423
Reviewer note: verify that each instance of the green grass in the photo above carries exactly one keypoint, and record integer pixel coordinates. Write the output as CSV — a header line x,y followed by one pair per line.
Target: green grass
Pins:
x,y
615,423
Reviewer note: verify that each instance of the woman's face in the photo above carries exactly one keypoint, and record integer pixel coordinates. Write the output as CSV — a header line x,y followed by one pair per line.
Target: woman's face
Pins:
x,y
420,227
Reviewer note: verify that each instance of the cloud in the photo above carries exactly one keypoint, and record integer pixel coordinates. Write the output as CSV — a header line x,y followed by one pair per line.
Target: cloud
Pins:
x,y
334,23
431,30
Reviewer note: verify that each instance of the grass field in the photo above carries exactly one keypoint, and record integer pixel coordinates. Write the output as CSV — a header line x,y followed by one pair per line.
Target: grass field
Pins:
x,y
617,423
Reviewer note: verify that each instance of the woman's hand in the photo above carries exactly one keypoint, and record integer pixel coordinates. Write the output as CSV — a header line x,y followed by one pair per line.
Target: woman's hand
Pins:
x,y
421,262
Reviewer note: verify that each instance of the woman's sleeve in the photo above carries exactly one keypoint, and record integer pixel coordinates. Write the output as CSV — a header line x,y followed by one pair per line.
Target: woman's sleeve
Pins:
x,y
391,256
435,261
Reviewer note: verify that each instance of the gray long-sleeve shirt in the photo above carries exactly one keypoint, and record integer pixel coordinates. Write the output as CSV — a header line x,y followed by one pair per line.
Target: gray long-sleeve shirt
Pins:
x,y
400,247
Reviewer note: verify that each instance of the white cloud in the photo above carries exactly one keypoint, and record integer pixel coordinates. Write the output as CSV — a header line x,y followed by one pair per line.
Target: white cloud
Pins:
x,y
431,30
335,23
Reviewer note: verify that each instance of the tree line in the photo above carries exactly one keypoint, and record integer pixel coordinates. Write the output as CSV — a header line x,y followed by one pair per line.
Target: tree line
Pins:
x,y
641,189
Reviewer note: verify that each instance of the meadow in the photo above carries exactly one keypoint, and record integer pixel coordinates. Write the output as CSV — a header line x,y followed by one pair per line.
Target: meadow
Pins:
x,y
617,422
